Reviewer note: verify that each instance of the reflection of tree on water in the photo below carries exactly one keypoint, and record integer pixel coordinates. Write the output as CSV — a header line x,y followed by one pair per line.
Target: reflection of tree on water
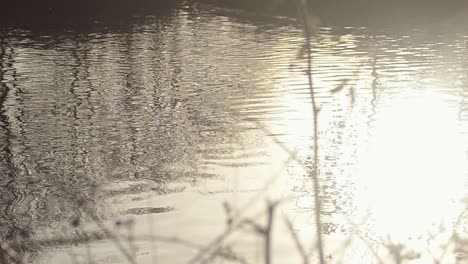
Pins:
x,y
89,129
13,170
23,201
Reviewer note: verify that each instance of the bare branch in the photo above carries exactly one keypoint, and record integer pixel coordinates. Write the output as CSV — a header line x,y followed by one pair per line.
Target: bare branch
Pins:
x,y
297,241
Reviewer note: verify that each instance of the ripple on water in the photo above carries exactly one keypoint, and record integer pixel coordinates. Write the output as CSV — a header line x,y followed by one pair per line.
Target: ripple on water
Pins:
x,y
103,120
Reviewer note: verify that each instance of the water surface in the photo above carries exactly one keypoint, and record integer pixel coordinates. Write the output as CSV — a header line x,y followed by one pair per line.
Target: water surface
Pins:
x,y
164,118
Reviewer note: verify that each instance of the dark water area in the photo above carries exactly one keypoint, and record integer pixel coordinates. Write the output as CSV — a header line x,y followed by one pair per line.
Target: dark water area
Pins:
x,y
51,15
368,13
100,112
361,11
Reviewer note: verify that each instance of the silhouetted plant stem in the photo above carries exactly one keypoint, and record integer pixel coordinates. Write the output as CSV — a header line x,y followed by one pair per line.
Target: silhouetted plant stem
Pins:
x,y
297,242
113,238
269,233
315,111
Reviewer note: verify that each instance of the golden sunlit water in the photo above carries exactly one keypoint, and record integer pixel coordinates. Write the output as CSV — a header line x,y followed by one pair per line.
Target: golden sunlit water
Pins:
x,y
412,174
404,165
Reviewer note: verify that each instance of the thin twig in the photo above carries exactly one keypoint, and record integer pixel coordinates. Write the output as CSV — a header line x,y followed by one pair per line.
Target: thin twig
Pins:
x,y
269,232
450,240
239,223
297,241
237,220
226,254
220,252
315,110
114,239
363,239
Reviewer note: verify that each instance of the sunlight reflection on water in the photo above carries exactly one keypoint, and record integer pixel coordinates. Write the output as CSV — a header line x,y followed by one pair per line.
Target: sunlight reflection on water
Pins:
x,y
412,173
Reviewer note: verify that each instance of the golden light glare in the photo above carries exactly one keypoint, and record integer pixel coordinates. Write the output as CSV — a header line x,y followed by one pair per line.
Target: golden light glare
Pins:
x,y
411,175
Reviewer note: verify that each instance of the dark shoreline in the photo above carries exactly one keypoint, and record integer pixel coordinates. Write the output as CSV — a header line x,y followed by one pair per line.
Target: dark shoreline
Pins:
x,y
360,12
333,12
49,12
